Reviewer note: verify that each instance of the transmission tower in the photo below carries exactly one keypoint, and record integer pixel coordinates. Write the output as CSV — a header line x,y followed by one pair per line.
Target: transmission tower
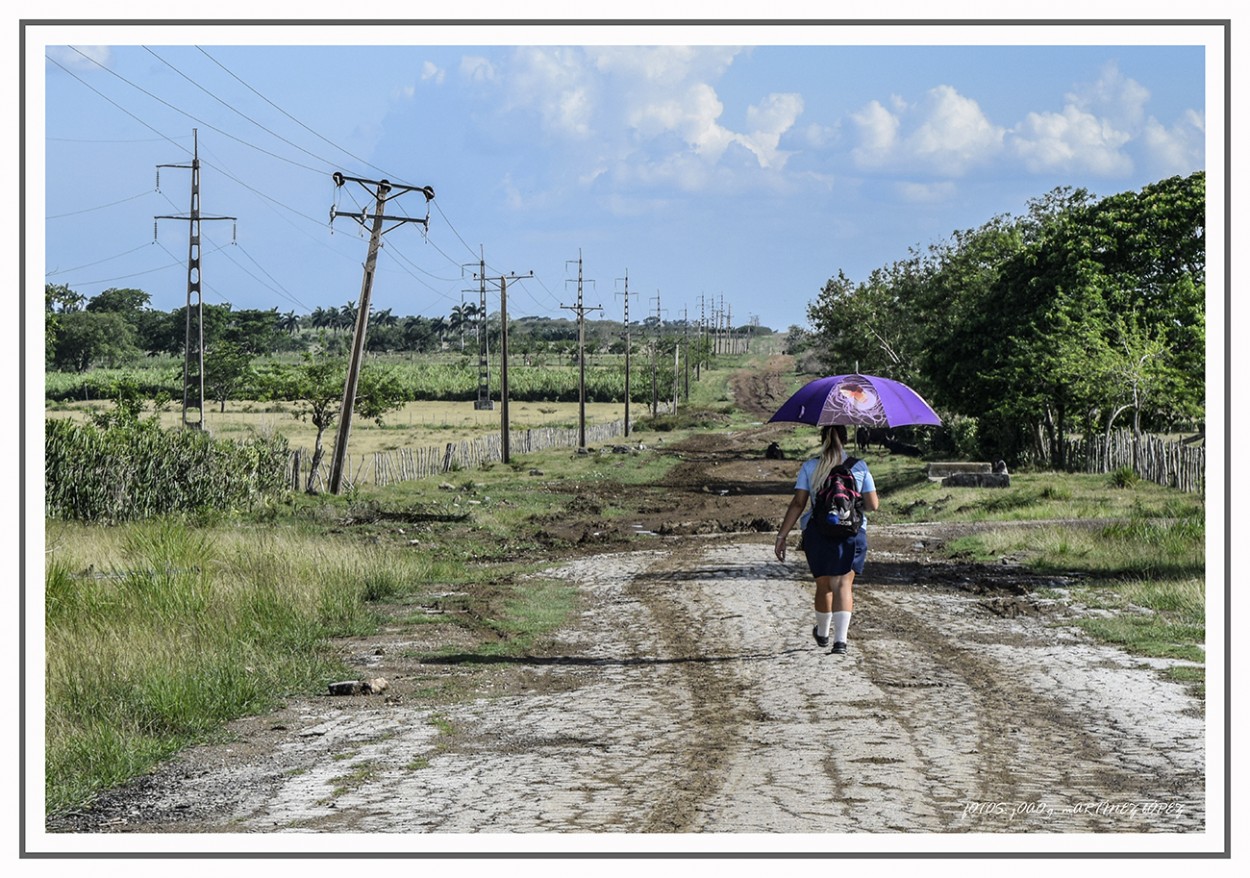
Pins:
x,y
193,360
581,310
628,346
483,401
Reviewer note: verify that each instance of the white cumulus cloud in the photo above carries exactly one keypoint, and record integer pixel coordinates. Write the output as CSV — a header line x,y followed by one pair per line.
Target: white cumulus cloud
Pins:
x,y
1119,100
431,72
945,133
81,57
878,129
649,113
1073,140
477,69
1179,148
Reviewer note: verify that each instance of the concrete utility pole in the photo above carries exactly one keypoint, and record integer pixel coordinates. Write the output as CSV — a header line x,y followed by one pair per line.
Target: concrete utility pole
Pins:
x,y
505,425
655,357
703,351
483,402
382,194
581,354
628,346
193,360
685,343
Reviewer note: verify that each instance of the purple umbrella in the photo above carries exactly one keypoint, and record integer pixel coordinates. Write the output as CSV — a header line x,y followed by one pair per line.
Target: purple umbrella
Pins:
x,y
856,400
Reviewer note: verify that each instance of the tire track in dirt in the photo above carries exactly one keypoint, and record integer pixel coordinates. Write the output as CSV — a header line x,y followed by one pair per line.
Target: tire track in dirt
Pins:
x,y
688,697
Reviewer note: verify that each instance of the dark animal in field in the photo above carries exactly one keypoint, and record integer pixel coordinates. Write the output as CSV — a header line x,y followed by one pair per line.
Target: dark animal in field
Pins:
x,y
902,448
774,452
868,436
1000,466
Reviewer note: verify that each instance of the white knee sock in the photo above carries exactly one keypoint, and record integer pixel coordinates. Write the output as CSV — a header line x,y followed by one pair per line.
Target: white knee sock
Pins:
x,y
822,624
841,624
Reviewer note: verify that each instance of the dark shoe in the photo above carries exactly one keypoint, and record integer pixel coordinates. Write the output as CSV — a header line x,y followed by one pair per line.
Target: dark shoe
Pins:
x,y
839,648
820,641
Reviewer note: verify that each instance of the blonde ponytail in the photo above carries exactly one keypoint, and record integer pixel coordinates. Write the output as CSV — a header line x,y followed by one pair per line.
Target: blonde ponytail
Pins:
x,y
831,454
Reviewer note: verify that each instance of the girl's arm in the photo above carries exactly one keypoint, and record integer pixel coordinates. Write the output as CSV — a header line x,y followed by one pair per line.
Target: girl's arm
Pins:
x,y
797,504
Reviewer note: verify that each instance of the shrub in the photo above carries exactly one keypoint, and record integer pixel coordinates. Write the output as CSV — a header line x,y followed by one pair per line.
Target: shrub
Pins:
x,y
1124,477
124,471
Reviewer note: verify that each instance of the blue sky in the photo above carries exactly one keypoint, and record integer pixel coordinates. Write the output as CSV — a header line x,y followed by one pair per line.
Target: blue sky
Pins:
x,y
704,165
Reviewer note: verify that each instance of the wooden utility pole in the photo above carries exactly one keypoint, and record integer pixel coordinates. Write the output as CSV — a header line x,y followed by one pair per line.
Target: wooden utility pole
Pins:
x,y
505,425
193,347
382,194
581,354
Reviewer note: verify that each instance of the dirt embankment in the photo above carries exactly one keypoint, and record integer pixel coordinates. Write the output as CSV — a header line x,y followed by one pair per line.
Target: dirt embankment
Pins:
x,y
688,697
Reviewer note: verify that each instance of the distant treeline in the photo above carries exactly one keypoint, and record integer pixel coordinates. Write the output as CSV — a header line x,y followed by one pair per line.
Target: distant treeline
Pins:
x,y
417,381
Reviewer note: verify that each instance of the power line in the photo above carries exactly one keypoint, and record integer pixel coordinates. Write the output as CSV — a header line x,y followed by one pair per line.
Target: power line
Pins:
x,y
234,109
113,102
285,113
98,207
193,118
97,262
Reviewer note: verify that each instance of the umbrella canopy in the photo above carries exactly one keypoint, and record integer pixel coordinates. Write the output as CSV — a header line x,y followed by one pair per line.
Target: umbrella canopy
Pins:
x,y
856,400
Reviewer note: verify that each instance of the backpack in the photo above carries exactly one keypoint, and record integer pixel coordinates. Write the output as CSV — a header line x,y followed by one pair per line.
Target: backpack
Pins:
x,y
838,509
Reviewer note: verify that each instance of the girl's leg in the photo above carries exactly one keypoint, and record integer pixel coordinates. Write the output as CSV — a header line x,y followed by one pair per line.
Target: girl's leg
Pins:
x,y
841,602
824,608
841,596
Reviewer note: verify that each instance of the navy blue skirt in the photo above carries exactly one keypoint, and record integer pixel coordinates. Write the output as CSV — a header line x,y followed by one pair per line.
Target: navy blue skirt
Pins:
x,y
834,557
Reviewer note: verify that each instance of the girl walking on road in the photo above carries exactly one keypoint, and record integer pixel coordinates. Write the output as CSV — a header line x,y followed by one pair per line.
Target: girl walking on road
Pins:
x,y
833,561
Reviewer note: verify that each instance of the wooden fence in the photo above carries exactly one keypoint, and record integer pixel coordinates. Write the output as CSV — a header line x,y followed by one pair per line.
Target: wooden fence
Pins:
x,y
382,468
1173,464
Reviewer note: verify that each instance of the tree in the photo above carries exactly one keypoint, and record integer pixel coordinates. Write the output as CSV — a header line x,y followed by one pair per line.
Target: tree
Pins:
x,y
58,299
85,339
226,368
317,385
1032,337
419,334
127,302
250,330
290,322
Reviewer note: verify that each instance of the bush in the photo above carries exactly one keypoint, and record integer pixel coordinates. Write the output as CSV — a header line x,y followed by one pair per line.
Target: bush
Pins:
x,y
124,471
1124,477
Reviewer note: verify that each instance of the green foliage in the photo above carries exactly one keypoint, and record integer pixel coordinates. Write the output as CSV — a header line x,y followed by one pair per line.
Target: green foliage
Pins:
x,y
83,339
126,470
1123,477
186,630
1043,325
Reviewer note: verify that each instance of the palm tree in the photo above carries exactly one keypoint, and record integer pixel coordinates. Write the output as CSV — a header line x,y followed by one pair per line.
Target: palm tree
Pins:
x,y
439,325
347,316
458,320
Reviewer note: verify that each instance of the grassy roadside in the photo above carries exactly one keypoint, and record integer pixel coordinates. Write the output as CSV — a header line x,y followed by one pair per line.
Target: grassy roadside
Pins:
x,y
157,633
1139,556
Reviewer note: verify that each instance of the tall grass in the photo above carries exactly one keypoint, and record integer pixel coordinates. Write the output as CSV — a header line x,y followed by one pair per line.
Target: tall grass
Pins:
x,y
134,469
158,633
1157,618
1137,547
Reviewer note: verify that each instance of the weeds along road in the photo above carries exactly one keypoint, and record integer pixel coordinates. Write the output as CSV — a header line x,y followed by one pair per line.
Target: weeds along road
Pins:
x,y
690,698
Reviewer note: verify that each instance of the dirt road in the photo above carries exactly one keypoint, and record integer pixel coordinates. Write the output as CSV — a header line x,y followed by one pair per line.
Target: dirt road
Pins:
x,y
689,698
